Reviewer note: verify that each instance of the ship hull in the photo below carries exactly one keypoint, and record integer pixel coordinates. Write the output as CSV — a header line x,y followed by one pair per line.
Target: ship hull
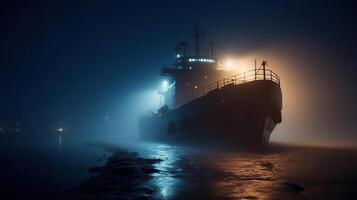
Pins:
x,y
241,115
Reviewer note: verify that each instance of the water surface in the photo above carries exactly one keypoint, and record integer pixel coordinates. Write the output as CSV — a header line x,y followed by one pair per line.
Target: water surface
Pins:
x,y
47,166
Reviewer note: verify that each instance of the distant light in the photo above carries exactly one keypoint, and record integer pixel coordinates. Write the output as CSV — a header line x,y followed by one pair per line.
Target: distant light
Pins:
x,y
60,130
190,67
178,55
195,86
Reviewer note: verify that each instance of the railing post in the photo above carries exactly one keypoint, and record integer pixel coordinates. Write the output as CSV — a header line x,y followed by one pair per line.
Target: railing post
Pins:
x,y
255,69
271,76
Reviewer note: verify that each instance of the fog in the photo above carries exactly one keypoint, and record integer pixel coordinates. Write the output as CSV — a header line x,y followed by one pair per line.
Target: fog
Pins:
x,y
97,67
318,94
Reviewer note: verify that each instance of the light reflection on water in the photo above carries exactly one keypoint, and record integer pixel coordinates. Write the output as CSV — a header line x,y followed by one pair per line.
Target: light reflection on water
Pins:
x,y
167,180
182,170
59,141
211,175
248,176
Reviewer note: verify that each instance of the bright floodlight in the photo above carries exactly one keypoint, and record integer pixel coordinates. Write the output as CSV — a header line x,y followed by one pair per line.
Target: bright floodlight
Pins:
x,y
164,86
228,64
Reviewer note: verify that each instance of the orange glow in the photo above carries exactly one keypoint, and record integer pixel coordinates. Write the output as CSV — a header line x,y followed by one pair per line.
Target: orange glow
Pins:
x,y
237,64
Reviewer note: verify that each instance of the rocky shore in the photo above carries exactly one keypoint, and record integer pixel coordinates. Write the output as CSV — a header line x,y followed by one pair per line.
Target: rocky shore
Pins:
x,y
124,176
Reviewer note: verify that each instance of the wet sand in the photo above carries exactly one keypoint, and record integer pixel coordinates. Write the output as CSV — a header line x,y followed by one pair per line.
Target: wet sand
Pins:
x,y
282,172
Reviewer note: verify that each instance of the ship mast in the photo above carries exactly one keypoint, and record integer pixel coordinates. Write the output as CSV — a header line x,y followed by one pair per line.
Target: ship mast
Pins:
x,y
198,36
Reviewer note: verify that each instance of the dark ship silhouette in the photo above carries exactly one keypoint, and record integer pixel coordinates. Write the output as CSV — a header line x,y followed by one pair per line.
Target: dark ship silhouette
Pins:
x,y
205,104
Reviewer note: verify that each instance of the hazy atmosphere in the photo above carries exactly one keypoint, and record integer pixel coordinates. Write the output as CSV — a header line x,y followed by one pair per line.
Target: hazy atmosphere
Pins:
x,y
135,100
82,64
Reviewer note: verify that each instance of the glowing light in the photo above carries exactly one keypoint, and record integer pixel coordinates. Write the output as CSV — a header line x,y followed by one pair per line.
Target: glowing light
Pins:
x,y
164,86
60,130
228,64
237,64
200,60
178,55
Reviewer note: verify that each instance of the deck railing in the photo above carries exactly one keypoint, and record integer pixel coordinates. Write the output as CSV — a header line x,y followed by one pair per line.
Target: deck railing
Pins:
x,y
244,77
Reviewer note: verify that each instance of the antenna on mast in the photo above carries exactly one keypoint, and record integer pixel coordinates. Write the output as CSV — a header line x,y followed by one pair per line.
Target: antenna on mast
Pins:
x,y
212,49
198,36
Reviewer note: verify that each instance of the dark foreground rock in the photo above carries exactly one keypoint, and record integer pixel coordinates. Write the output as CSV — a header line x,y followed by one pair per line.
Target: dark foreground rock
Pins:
x,y
123,176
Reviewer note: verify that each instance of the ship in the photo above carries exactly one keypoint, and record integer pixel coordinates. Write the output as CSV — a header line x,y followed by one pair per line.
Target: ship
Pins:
x,y
205,104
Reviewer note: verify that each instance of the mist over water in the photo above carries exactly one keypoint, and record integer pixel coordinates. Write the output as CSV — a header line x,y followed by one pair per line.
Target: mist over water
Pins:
x,y
51,166
75,77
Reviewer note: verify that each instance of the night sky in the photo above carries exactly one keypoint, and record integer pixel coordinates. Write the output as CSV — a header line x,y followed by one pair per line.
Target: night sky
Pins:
x,y
79,61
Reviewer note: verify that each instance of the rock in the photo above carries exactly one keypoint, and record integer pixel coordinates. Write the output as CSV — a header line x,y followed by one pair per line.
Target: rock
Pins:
x,y
267,165
250,197
294,186
149,170
144,197
124,173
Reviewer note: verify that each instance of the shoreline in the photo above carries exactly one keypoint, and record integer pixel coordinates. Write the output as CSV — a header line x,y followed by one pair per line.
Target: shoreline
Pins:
x,y
282,172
